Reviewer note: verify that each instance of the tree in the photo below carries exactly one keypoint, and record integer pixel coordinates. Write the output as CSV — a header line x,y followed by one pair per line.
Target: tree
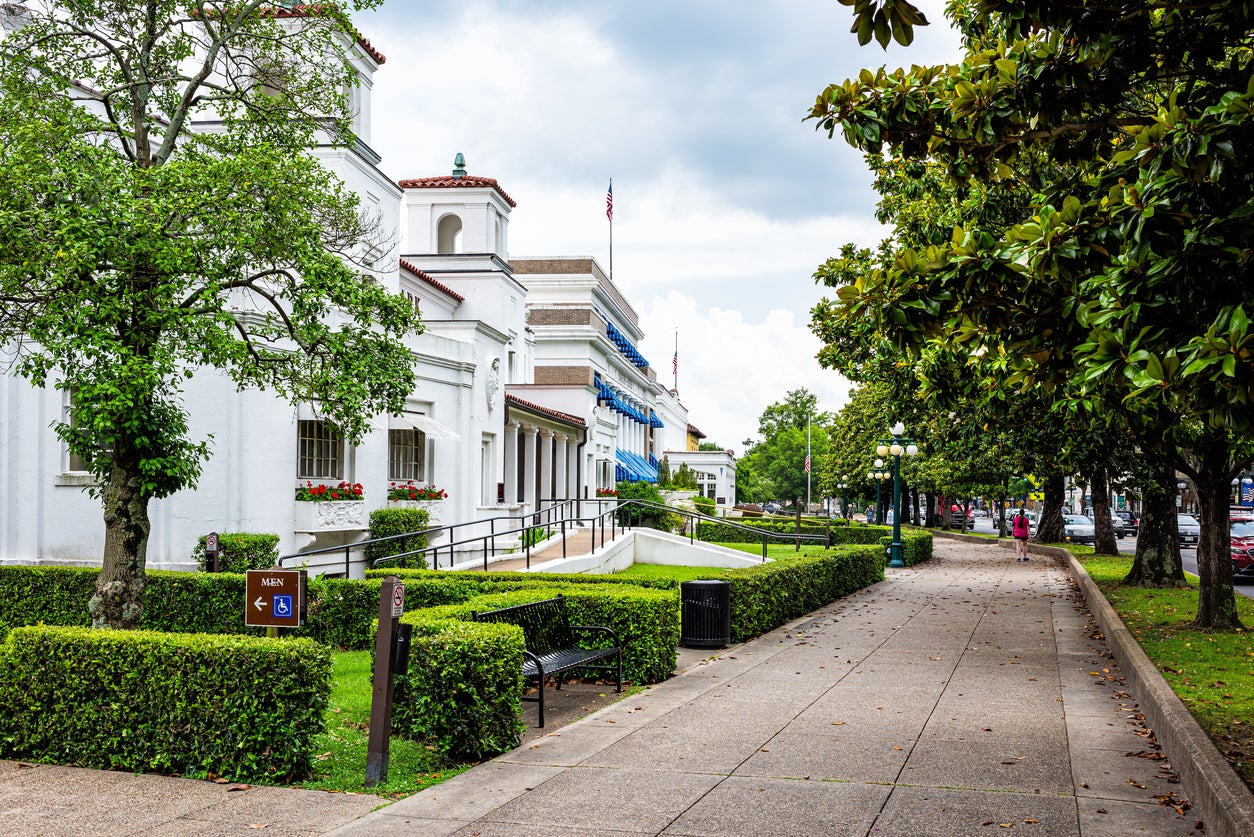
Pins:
x,y
1133,270
137,251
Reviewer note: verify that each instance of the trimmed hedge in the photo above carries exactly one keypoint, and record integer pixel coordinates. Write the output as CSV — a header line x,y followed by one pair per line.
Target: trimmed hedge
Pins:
x,y
765,596
491,582
783,530
243,708
241,551
387,522
462,693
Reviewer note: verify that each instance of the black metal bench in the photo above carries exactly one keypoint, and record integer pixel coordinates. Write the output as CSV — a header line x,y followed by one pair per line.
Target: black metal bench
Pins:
x,y
552,646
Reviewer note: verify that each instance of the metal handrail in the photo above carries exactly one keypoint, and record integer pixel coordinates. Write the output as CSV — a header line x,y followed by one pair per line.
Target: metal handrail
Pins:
x,y
560,513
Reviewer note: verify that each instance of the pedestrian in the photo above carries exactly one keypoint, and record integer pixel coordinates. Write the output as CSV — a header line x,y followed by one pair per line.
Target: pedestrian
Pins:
x,y
870,514
888,518
1020,529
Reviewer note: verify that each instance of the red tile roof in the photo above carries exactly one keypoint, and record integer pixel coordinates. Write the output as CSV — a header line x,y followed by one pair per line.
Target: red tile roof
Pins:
x,y
567,417
695,432
431,281
449,182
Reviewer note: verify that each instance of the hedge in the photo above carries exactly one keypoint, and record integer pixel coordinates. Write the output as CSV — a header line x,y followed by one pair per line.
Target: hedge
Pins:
x,y
462,693
341,611
462,699
767,595
241,551
783,530
388,522
247,709
489,582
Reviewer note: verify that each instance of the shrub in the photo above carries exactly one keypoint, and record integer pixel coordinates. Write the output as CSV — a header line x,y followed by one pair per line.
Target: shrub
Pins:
x,y
462,698
241,551
765,596
462,692
534,535
634,515
246,709
398,521
705,505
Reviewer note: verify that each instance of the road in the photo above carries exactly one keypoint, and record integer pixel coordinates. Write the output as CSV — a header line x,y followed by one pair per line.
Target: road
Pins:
x,y
1188,556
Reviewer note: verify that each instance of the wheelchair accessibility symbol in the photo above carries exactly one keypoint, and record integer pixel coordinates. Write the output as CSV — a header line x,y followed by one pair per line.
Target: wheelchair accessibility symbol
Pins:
x,y
282,606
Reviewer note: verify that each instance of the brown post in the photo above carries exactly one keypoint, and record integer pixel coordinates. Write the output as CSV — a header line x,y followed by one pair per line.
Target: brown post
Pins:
x,y
381,696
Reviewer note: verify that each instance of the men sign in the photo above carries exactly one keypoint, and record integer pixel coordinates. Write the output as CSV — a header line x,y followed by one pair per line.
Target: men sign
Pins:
x,y
274,598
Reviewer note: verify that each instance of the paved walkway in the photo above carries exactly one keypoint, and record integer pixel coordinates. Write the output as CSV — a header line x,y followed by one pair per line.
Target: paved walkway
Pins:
x,y
954,698
966,696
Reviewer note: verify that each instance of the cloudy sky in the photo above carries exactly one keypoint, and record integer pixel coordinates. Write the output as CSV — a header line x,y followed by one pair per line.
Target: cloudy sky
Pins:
x,y
725,201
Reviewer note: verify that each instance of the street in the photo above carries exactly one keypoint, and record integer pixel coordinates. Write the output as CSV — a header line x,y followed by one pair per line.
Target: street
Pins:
x,y
1188,555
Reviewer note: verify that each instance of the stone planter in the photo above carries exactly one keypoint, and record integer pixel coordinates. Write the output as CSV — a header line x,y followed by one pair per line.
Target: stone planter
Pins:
x,y
434,509
331,516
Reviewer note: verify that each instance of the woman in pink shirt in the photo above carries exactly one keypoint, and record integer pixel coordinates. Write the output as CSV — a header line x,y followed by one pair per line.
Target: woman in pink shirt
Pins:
x,y
1021,530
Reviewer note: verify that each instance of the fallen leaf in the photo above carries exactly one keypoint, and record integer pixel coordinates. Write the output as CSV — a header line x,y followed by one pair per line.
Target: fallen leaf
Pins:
x,y
238,788
1136,784
1102,811
838,723
1031,820
259,825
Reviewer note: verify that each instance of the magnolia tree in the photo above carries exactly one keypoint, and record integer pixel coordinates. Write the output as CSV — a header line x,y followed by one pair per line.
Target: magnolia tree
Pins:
x,y
160,214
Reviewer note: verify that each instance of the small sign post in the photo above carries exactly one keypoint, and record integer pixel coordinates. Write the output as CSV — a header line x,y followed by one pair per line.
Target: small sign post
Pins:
x,y
391,607
211,552
274,598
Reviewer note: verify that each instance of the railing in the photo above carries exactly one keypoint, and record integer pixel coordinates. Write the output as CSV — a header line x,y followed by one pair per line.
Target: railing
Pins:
x,y
562,515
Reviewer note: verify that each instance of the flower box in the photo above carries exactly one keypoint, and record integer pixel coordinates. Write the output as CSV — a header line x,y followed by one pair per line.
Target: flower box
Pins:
x,y
329,516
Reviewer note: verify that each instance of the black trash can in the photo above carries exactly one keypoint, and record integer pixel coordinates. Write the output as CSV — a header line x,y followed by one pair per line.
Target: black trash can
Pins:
x,y
705,614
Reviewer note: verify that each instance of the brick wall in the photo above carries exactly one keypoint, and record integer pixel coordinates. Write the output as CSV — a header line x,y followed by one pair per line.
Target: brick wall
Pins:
x,y
564,375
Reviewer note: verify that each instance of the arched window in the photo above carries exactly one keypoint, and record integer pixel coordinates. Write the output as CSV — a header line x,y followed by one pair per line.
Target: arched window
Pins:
x,y
449,235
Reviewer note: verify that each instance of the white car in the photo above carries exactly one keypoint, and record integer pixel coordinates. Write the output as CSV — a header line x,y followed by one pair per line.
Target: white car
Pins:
x,y
1190,530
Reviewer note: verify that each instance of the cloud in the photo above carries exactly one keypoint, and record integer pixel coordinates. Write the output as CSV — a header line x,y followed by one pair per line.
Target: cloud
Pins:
x,y
731,368
725,200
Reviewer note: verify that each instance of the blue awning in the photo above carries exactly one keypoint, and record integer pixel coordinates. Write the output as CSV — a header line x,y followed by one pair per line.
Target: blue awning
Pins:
x,y
633,467
624,345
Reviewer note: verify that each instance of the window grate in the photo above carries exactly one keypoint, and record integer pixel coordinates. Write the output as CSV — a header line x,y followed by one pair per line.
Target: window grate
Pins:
x,y
320,451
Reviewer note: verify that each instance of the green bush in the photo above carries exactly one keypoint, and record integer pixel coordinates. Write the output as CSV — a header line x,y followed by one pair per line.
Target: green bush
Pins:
x,y
241,551
462,692
398,521
703,504
765,596
247,709
534,535
648,516
495,582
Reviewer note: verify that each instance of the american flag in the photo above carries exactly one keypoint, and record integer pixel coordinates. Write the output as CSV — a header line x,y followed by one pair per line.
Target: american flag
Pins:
x,y
609,201
675,364
807,463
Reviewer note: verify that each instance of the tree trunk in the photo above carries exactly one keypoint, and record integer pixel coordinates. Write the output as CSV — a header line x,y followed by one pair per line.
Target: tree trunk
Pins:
x,y
1049,527
1157,561
118,602
1216,600
930,516
1104,542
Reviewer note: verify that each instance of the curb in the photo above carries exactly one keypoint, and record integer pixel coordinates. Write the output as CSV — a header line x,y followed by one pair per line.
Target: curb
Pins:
x,y
1216,792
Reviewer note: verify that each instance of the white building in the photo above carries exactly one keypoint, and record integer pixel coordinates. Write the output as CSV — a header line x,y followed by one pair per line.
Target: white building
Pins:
x,y
530,390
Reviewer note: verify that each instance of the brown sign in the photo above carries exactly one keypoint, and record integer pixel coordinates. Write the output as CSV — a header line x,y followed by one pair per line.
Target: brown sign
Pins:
x,y
274,598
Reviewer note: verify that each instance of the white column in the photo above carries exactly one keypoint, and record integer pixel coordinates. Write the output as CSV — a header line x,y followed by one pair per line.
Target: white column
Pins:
x,y
572,470
510,474
529,467
560,467
546,466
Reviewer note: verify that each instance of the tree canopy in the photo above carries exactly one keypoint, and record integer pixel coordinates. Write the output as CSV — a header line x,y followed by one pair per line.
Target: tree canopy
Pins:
x,y
160,213
1127,274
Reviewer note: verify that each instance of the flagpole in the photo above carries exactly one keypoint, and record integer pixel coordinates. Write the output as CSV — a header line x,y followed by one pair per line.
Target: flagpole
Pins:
x,y
609,213
675,363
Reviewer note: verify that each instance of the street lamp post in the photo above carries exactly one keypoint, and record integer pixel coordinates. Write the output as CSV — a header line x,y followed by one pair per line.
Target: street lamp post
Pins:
x,y
896,446
879,473
843,485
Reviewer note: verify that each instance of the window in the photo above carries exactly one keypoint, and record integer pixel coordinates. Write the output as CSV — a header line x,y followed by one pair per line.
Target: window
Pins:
x,y
449,235
407,455
320,451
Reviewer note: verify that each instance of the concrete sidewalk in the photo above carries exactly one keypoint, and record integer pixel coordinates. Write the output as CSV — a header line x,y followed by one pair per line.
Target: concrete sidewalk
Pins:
x,y
965,696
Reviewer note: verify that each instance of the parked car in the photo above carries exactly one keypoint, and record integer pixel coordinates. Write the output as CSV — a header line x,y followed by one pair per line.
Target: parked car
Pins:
x,y
1077,528
1118,524
1190,530
1130,521
1242,548
773,508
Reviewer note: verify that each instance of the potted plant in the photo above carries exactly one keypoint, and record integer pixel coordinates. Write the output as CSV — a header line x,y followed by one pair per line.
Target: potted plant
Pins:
x,y
326,507
410,494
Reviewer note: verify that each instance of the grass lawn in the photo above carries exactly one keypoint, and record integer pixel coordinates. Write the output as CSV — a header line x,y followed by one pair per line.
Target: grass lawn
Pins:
x,y
340,754
775,550
1213,673
654,571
